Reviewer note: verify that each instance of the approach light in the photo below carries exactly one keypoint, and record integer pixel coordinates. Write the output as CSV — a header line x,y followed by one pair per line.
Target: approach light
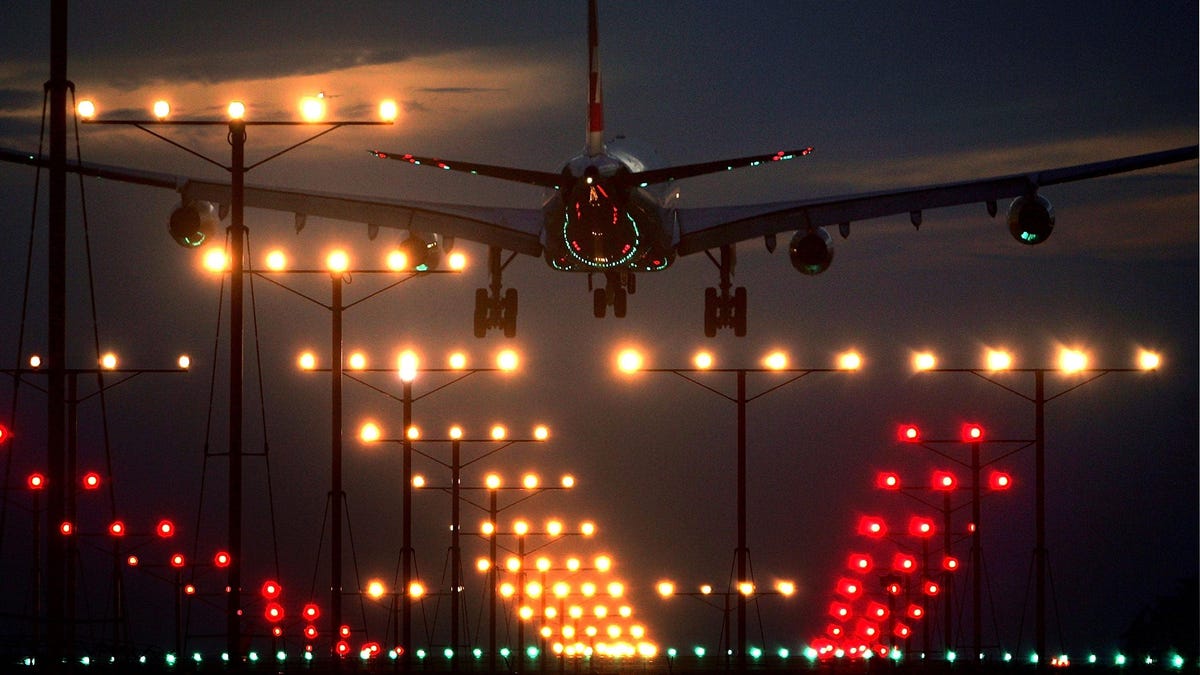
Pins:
x,y
161,110
408,366
388,110
508,360
1148,360
35,481
999,480
703,360
177,560
369,433
943,481
307,361
492,481
312,109
214,258
221,559
184,362
998,360
775,360
236,110
924,361
376,589
86,109
397,261
849,361
337,261
276,260
666,589
108,361
91,480
1072,360
116,528
972,433
165,528
498,432
629,361
919,526
785,588
887,480
271,590
357,361
457,262
909,433
541,432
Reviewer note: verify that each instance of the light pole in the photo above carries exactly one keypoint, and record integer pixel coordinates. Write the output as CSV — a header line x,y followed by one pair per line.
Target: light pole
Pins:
x,y
500,440
237,233
1071,363
973,436
337,267
631,362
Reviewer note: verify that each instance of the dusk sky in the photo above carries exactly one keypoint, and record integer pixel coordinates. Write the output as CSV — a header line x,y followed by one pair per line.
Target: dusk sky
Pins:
x,y
888,94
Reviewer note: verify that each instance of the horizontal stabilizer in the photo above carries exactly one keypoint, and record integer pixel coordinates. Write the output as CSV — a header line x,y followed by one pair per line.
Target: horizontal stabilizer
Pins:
x,y
540,178
691,170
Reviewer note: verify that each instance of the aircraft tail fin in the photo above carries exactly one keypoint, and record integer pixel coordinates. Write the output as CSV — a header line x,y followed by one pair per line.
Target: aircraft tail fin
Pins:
x,y
595,114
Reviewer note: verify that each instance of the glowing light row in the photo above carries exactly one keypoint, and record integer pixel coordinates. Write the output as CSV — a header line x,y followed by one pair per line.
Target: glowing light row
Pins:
x,y
312,109
521,528
371,432
1069,360
631,361
215,259
666,588
109,361
408,362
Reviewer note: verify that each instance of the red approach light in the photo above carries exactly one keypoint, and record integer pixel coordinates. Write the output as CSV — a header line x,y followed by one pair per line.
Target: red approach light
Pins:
x,y
931,588
270,590
850,588
66,527
344,631
872,526
117,528
893,588
190,589
919,526
177,560
950,563
915,612
943,480
909,433
273,612
36,481
887,480
860,562
342,648
277,631
902,562
839,610
91,480
833,630
998,480
221,559
866,629
133,561
310,632
371,648
901,630
165,528
311,611
877,611
972,433
3,433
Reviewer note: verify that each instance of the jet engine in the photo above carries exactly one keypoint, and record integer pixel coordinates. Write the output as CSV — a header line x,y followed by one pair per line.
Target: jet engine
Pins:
x,y
422,251
811,250
1030,219
193,223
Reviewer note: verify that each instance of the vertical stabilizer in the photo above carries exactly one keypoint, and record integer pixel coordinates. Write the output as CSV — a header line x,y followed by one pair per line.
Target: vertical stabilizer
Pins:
x,y
595,122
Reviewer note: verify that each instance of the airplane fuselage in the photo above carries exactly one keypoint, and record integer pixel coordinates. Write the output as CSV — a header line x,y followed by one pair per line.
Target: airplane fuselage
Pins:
x,y
597,221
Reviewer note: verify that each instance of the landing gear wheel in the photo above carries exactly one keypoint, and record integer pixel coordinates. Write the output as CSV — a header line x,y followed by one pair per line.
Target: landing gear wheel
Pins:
x,y
481,312
619,303
710,312
599,303
508,313
739,311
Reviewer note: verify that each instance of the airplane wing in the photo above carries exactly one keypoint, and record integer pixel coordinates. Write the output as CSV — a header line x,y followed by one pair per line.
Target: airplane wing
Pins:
x,y
513,229
708,228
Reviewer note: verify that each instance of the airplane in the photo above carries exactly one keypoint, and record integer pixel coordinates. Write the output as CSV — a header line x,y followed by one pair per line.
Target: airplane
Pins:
x,y
607,213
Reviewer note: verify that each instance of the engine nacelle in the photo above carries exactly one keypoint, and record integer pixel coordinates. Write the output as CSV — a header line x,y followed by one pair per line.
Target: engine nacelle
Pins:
x,y
1030,219
811,250
193,223
423,252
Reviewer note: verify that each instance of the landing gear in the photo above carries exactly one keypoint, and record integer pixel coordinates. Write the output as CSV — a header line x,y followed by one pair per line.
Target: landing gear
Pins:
x,y
617,288
721,310
493,310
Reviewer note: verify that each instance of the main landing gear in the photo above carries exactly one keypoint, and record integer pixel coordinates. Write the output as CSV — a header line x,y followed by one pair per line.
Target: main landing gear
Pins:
x,y
493,310
722,310
618,285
